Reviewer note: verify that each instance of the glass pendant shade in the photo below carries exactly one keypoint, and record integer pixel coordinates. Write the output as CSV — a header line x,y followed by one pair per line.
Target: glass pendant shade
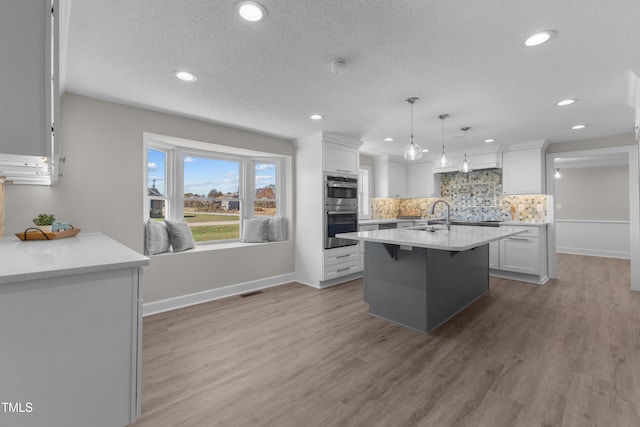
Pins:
x,y
443,160
465,166
412,151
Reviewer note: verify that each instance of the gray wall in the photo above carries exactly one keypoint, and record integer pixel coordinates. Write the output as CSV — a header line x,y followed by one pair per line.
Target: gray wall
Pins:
x,y
593,193
102,190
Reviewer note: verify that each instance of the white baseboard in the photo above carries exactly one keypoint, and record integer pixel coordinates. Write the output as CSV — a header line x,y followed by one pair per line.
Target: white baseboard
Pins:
x,y
593,252
168,304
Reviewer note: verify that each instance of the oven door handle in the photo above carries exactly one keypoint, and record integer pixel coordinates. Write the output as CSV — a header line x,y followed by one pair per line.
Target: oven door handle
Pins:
x,y
341,212
342,185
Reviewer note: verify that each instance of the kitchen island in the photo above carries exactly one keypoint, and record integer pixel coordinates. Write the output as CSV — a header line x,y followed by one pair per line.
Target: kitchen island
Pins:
x,y
70,311
419,278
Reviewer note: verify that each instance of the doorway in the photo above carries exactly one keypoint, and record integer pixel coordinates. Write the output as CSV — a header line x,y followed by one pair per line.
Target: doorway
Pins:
x,y
627,153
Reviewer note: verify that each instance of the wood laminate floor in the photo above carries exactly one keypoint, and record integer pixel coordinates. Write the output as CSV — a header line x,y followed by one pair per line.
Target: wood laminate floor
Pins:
x,y
563,354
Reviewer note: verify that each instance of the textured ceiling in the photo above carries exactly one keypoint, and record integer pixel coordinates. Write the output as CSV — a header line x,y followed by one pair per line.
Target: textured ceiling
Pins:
x,y
461,57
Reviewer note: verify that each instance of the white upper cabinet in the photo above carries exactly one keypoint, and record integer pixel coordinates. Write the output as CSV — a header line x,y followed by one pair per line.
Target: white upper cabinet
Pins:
x,y
340,159
397,180
523,171
28,42
421,181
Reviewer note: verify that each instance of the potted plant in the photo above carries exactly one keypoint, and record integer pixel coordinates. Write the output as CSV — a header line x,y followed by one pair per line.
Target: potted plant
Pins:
x,y
44,221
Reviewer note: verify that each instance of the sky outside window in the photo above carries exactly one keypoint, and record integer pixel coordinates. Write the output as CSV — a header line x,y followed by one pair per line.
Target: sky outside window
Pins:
x,y
156,170
201,175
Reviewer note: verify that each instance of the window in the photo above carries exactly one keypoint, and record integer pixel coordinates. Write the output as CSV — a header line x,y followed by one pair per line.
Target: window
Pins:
x,y
157,184
212,198
265,202
212,191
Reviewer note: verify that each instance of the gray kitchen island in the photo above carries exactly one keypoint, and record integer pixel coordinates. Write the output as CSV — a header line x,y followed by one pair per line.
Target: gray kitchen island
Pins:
x,y
419,278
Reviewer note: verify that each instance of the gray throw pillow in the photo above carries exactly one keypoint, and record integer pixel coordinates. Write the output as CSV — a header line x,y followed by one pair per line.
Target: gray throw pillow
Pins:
x,y
277,229
180,235
255,230
156,238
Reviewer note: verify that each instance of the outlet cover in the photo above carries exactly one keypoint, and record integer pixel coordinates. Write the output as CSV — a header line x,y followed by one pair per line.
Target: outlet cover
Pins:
x,y
521,208
539,207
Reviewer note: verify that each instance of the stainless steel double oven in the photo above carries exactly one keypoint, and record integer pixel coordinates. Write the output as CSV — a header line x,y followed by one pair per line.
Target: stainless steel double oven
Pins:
x,y
340,209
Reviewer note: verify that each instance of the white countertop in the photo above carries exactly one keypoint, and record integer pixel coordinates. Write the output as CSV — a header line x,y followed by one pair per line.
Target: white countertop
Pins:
x,y
84,253
459,238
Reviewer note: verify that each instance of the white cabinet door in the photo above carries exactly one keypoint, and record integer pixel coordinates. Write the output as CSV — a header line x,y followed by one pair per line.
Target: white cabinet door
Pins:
x,y
494,255
520,254
421,180
397,180
522,172
25,112
340,159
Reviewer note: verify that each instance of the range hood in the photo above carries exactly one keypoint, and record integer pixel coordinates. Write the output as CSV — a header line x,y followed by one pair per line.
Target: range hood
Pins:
x,y
478,161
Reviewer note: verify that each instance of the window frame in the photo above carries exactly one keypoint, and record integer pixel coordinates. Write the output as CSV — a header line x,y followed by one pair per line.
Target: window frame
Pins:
x,y
174,189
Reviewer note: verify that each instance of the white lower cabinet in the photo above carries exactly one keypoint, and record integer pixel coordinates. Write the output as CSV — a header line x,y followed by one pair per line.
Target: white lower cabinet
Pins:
x,y
341,261
524,254
520,255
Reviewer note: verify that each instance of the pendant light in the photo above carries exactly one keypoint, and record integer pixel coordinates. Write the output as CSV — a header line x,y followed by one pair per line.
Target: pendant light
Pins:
x,y
557,174
465,166
443,160
412,151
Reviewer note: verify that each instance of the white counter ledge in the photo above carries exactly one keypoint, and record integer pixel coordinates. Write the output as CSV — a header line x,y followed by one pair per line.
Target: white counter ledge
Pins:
x,y
84,253
459,238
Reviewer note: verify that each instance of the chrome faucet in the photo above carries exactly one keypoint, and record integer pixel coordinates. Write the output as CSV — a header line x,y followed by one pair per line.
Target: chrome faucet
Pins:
x,y
433,209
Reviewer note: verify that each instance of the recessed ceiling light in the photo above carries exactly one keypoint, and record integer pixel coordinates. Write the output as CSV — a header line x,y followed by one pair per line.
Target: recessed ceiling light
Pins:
x,y
489,141
567,101
576,127
251,11
425,150
186,76
315,117
389,139
538,38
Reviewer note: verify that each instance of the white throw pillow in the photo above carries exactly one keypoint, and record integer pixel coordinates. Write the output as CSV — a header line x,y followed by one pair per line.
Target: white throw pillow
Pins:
x,y
156,238
180,235
277,229
255,230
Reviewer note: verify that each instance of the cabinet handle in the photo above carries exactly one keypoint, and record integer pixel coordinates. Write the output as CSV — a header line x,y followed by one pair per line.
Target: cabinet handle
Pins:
x,y
343,269
344,256
518,238
344,170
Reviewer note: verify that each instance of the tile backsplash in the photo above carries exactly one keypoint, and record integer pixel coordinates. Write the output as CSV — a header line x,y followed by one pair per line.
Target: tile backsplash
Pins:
x,y
473,196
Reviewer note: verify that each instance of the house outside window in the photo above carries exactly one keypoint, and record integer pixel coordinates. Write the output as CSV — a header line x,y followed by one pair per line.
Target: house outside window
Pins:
x,y
212,191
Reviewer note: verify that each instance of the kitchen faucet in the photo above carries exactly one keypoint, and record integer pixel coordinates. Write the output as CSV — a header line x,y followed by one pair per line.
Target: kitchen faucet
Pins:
x,y
433,209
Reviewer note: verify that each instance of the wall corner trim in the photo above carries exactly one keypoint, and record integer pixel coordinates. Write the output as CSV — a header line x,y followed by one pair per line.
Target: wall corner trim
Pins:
x,y
181,301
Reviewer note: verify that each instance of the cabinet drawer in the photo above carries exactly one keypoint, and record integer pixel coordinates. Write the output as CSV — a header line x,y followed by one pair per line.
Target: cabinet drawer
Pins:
x,y
340,255
531,232
342,269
